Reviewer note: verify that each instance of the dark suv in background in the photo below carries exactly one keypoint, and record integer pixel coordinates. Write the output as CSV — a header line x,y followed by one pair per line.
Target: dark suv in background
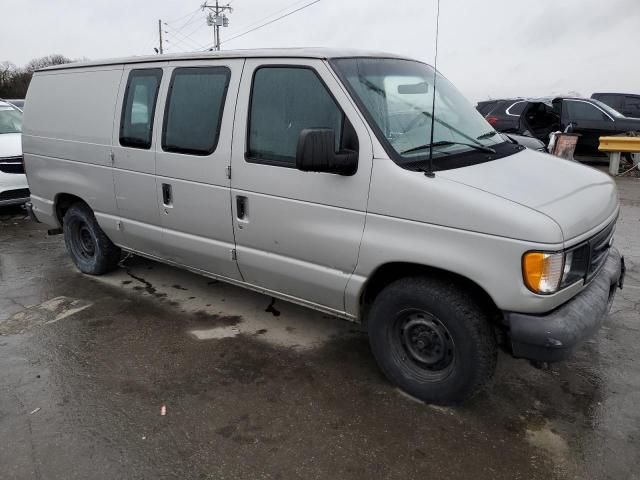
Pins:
x,y
625,103
538,117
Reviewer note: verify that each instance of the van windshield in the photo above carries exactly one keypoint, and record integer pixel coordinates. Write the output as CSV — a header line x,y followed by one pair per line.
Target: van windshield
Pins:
x,y
397,97
10,120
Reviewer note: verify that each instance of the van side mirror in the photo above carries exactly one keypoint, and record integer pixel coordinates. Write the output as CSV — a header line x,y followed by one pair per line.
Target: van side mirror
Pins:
x,y
316,153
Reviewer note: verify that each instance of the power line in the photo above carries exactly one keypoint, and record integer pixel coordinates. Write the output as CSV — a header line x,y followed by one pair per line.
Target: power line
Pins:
x,y
270,22
173,32
188,22
197,29
249,25
184,16
175,40
192,19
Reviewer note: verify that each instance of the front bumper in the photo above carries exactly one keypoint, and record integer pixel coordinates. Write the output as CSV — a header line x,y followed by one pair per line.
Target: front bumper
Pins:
x,y
14,197
554,336
14,189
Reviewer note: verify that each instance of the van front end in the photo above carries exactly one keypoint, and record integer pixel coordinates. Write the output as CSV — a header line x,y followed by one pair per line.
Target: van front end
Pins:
x,y
555,335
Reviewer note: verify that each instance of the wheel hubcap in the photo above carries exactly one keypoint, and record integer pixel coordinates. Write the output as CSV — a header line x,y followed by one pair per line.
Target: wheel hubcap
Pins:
x,y
83,242
426,341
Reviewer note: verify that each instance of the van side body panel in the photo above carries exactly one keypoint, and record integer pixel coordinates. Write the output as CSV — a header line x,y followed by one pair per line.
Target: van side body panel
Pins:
x,y
67,140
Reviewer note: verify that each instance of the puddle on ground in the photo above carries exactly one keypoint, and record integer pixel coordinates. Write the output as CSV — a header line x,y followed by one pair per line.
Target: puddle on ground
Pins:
x,y
541,435
548,440
210,305
216,333
48,312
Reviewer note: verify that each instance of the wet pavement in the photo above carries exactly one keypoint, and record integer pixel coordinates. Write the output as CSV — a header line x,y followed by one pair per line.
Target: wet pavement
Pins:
x,y
260,389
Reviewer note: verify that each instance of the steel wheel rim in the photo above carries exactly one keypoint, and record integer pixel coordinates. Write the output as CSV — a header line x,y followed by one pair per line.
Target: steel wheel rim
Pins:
x,y
424,344
82,241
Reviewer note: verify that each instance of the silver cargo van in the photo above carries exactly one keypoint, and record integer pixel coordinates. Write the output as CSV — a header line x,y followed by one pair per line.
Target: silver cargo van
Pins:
x,y
310,175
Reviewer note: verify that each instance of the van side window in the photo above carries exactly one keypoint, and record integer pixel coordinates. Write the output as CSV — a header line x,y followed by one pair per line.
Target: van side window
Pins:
x,y
138,108
194,108
285,101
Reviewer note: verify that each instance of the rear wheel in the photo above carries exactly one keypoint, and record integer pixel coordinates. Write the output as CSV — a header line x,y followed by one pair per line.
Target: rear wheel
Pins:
x,y
432,340
89,247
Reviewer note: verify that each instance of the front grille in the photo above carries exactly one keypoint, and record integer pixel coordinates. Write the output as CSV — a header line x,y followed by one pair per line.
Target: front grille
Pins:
x,y
12,164
15,194
599,246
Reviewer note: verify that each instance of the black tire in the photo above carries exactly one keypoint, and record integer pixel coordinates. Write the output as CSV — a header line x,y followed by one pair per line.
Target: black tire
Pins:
x,y
432,340
89,247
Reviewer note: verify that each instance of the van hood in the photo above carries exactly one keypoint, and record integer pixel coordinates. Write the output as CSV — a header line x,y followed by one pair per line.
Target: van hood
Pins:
x,y
10,145
578,198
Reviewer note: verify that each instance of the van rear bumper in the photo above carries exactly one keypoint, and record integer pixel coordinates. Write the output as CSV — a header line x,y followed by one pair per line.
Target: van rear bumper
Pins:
x,y
555,336
42,210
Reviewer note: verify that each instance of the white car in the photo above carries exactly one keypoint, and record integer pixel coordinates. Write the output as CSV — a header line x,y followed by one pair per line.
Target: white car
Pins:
x,y
14,189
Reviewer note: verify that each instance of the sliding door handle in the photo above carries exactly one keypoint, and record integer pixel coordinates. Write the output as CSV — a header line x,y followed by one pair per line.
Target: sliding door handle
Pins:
x,y
167,195
241,208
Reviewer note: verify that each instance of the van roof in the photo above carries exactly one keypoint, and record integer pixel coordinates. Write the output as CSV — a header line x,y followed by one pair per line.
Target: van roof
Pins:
x,y
319,53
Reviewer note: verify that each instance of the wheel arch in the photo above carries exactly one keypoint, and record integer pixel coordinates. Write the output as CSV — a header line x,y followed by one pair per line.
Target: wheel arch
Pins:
x,y
63,202
388,273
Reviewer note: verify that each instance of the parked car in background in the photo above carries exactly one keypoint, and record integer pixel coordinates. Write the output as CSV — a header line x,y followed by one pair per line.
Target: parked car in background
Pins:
x,y
509,122
539,117
529,117
528,142
14,189
625,103
16,103
592,119
313,175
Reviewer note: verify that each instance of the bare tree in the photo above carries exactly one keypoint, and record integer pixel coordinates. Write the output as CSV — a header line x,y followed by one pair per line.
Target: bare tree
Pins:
x,y
48,61
14,81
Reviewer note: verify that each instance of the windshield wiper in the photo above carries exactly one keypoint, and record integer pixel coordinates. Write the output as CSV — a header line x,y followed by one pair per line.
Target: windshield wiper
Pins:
x,y
487,135
444,143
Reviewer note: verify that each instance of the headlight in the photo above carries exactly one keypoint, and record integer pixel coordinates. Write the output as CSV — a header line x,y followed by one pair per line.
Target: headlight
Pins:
x,y
546,272
542,271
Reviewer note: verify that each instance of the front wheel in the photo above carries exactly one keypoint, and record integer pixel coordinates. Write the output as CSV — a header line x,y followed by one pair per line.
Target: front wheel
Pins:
x,y
89,247
432,340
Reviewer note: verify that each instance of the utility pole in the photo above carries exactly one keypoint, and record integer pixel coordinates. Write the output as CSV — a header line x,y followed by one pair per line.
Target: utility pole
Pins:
x,y
217,19
160,33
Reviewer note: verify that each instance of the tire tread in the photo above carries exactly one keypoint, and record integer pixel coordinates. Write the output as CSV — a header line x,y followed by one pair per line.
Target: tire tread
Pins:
x,y
462,306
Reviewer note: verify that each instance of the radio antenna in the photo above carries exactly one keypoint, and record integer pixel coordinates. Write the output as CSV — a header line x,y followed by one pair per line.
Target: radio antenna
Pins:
x,y
429,172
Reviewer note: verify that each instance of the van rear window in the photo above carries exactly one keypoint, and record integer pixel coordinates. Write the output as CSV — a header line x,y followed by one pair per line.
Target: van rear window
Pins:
x,y
138,108
193,113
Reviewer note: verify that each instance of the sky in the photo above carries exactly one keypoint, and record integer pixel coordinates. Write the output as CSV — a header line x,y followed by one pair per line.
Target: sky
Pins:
x,y
488,49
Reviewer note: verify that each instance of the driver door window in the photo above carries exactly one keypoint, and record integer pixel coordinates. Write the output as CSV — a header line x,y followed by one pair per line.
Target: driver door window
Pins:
x,y
285,101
